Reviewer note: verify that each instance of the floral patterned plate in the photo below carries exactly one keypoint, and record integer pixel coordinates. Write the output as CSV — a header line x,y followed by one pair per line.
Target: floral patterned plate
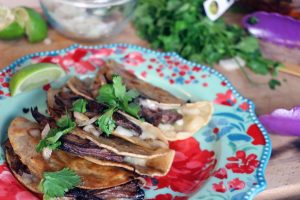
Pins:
x,y
224,160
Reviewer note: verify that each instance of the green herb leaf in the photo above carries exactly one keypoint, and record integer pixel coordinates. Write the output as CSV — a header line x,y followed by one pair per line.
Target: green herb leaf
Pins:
x,y
106,122
248,44
80,105
66,125
174,25
273,83
132,109
107,95
56,184
119,88
116,96
130,95
252,20
64,121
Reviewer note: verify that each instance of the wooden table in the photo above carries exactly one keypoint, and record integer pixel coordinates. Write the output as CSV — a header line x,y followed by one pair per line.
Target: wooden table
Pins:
x,y
283,171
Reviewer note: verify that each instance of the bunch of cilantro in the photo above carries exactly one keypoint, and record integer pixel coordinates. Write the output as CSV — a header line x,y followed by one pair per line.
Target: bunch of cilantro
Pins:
x,y
181,26
116,98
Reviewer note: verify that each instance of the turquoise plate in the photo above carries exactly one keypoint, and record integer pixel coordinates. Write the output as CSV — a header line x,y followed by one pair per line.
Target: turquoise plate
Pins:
x,y
225,160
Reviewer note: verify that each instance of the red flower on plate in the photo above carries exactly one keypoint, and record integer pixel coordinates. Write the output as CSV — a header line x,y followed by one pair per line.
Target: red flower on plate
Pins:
x,y
219,187
83,67
191,167
242,163
11,189
226,99
254,132
168,196
220,173
244,106
134,58
236,184
100,53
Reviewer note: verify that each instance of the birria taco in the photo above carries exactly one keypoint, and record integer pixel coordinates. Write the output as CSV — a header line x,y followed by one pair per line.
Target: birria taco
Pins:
x,y
97,181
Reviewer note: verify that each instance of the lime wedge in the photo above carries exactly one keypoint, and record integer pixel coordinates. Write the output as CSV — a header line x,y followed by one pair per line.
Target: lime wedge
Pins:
x,y
10,29
35,26
33,76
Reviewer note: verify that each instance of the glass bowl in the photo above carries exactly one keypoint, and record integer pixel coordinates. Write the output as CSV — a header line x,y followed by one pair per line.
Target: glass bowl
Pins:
x,y
88,20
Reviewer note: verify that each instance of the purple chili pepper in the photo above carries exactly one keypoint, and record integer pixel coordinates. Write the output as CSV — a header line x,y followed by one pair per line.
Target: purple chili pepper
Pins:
x,y
282,121
273,27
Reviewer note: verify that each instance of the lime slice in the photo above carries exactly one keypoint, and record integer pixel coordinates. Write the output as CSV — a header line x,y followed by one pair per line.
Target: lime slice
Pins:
x,y
10,29
35,26
33,76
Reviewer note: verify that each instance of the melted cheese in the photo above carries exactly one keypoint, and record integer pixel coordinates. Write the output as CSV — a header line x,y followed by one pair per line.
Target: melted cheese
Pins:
x,y
135,161
124,131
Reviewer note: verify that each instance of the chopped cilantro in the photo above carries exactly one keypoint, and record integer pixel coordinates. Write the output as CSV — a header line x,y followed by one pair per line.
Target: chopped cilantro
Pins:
x,y
56,184
115,95
80,105
66,125
106,122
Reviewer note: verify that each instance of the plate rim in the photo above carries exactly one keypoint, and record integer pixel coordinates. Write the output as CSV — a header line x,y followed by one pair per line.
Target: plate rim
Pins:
x,y
267,149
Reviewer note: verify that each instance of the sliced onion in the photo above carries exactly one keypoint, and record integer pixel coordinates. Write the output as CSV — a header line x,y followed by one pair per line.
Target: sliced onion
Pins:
x,y
45,131
154,105
47,153
27,178
91,129
90,121
34,132
80,118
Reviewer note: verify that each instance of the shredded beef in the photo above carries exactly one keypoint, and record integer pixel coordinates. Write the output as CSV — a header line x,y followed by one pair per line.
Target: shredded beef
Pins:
x,y
83,147
16,164
157,117
129,191
42,119
96,107
121,120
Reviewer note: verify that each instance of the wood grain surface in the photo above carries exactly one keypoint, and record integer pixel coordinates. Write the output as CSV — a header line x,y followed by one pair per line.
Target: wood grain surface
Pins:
x,y
283,171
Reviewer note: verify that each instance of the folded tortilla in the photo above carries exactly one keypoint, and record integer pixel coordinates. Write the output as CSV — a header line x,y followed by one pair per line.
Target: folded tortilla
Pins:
x,y
120,153
159,107
93,176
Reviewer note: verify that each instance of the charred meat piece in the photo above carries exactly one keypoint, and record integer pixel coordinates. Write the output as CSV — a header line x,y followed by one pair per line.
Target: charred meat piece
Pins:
x,y
157,117
16,163
121,120
82,147
99,108
80,88
129,191
42,119
96,107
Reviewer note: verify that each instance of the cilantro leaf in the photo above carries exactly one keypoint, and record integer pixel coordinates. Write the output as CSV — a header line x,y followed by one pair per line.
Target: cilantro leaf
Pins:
x,y
56,184
64,121
130,95
116,96
80,105
132,109
106,95
248,44
119,88
66,125
106,122
273,83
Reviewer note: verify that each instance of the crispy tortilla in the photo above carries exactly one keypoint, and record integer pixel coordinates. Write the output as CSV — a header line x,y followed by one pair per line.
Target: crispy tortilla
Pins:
x,y
93,176
156,162
194,116
31,185
132,82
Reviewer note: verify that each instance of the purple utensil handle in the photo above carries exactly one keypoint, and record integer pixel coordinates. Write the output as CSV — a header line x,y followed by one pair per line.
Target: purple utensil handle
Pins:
x,y
282,121
273,27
